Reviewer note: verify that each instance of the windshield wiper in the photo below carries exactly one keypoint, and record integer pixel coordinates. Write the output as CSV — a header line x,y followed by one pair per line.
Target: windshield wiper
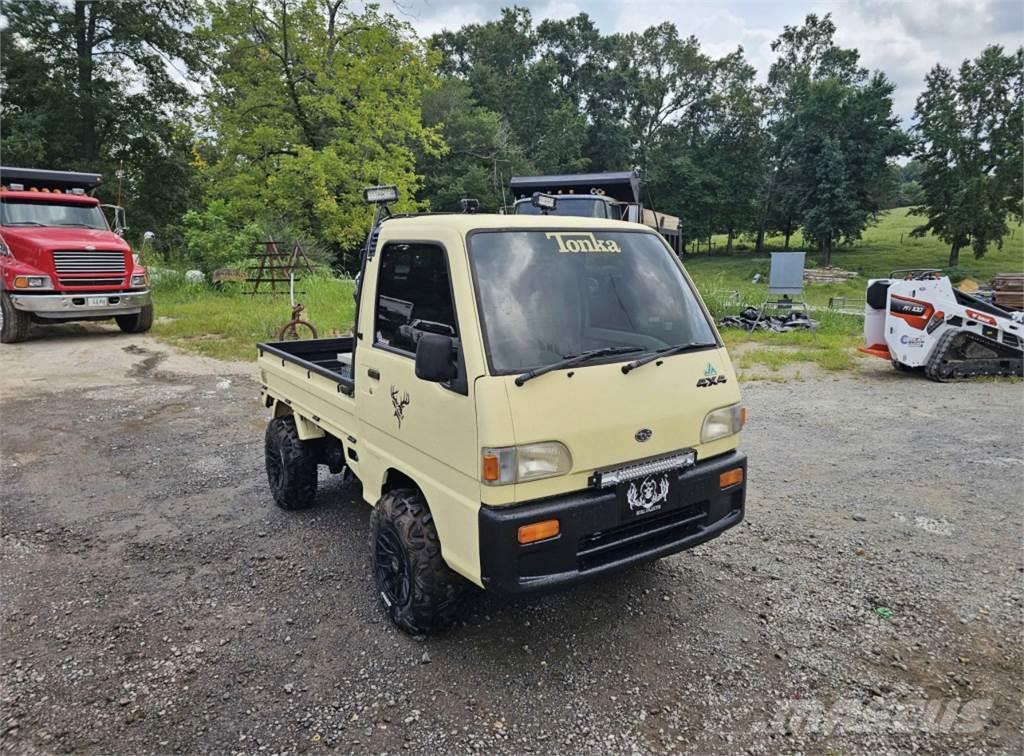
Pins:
x,y
24,223
574,359
665,352
76,225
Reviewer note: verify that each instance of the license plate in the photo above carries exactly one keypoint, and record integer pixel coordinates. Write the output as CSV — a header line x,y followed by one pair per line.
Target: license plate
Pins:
x,y
95,301
653,493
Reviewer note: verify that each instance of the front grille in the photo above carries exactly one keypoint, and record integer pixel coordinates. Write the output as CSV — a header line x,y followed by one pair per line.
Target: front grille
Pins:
x,y
87,282
606,546
88,261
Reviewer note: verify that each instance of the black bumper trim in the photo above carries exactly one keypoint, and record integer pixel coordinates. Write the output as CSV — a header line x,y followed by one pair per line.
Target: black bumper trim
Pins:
x,y
597,537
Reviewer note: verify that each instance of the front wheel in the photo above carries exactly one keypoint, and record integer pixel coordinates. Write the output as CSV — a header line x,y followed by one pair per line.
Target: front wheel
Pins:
x,y
14,323
140,322
419,591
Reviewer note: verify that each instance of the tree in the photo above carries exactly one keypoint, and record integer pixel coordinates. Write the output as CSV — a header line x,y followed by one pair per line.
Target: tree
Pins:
x,y
481,152
834,134
92,84
968,142
308,104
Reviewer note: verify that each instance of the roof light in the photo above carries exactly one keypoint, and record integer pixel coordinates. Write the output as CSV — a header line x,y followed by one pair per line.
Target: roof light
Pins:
x,y
544,202
17,187
78,191
380,195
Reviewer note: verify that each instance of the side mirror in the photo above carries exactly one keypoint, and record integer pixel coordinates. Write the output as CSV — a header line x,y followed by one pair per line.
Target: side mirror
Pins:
x,y
434,361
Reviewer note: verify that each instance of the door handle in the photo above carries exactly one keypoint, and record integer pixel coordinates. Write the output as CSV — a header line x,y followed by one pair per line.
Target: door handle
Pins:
x,y
373,373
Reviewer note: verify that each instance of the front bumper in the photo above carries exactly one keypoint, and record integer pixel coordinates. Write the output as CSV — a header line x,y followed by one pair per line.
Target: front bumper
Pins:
x,y
76,305
596,536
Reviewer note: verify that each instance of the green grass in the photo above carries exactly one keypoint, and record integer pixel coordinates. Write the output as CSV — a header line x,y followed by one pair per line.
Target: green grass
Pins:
x,y
227,324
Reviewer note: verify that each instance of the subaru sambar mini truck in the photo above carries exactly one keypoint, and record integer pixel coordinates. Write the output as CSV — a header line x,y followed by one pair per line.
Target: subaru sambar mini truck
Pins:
x,y
527,401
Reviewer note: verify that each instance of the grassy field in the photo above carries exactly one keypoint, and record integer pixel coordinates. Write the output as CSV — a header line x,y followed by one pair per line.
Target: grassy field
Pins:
x,y
227,324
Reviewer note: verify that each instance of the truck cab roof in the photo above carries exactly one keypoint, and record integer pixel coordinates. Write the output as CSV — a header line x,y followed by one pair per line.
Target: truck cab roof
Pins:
x,y
417,225
56,197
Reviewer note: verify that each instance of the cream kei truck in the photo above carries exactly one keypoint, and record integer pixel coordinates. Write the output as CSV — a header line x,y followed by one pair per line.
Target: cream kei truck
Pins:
x,y
528,401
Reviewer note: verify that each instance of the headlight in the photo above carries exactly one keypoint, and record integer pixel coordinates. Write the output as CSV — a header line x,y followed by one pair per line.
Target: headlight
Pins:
x,y
33,282
723,422
518,464
138,280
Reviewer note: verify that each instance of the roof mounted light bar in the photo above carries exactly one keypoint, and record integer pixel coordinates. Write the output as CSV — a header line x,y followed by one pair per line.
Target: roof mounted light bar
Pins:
x,y
380,195
543,202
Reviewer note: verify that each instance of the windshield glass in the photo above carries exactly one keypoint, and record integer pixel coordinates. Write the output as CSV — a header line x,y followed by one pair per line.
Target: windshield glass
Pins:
x,y
583,207
27,213
545,295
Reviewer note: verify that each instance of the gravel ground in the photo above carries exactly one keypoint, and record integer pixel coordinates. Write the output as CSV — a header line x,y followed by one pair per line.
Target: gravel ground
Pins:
x,y
155,601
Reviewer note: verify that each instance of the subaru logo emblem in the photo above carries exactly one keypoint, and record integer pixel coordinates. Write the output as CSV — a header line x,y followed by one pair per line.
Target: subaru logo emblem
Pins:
x,y
643,434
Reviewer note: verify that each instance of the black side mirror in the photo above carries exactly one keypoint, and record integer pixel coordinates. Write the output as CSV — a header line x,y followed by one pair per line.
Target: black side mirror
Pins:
x,y
434,358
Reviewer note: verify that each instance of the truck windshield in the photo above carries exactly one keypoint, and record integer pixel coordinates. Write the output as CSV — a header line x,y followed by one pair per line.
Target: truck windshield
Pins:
x,y
28,213
545,295
582,207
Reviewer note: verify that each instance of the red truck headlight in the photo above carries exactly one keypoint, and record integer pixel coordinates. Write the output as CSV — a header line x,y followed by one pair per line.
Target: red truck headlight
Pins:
x,y
139,280
32,282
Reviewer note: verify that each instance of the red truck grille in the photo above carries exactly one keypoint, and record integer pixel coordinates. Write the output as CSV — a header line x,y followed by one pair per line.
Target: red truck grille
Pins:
x,y
89,268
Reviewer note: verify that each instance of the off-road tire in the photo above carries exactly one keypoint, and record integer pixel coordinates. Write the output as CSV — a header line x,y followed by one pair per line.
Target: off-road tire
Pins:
x,y
431,598
140,322
15,322
291,465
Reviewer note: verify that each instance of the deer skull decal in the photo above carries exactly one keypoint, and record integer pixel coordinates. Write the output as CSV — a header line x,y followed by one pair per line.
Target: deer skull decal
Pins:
x,y
399,404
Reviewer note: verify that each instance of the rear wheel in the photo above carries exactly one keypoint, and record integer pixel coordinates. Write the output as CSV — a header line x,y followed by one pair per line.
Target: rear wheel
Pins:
x,y
291,465
419,591
140,322
14,323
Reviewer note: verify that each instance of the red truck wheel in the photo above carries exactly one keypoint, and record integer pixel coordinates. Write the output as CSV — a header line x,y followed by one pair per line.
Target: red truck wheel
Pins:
x,y
14,323
140,322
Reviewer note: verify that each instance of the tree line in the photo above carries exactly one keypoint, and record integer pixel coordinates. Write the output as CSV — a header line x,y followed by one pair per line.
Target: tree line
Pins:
x,y
233,120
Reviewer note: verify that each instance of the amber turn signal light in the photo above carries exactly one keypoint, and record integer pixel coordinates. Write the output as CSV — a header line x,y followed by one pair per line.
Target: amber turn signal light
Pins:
x,y
538,531
491,469
730,478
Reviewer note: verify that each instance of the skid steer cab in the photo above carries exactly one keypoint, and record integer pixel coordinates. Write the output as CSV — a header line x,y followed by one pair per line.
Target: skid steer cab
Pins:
x,y
527,401
916,319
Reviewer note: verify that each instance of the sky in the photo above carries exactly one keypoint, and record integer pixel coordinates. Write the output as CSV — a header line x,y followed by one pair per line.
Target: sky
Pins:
x,y
903,38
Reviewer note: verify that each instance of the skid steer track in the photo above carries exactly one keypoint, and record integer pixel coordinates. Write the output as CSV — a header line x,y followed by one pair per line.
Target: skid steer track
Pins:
x,y
960,355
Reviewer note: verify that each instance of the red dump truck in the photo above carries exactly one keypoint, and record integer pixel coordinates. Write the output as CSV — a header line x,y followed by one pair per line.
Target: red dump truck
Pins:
x,y
59,258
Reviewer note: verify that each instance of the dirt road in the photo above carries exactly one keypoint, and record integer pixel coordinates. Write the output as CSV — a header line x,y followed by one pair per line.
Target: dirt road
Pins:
x,y
155,601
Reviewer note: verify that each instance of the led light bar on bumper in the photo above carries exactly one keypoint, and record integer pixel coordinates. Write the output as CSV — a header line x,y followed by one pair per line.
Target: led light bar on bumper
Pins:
x,y
675,461
723,422
518,464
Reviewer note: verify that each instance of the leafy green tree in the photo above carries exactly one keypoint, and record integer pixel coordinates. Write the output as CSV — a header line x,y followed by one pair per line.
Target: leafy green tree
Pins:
x,y
834,134
92,85
481,151
968,140
308,104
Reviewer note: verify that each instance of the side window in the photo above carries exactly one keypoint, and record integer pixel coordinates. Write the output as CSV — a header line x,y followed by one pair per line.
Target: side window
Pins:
x,y
414,296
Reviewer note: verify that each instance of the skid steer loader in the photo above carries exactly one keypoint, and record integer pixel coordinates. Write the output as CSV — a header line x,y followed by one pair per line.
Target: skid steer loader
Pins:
x,y
916,319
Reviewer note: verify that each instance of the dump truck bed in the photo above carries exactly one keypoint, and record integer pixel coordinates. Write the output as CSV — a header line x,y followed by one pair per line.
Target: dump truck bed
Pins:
x,y
314,377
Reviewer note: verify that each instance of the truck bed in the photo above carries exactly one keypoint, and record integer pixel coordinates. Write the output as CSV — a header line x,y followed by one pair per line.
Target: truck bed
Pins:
x,y
314,378
325,357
